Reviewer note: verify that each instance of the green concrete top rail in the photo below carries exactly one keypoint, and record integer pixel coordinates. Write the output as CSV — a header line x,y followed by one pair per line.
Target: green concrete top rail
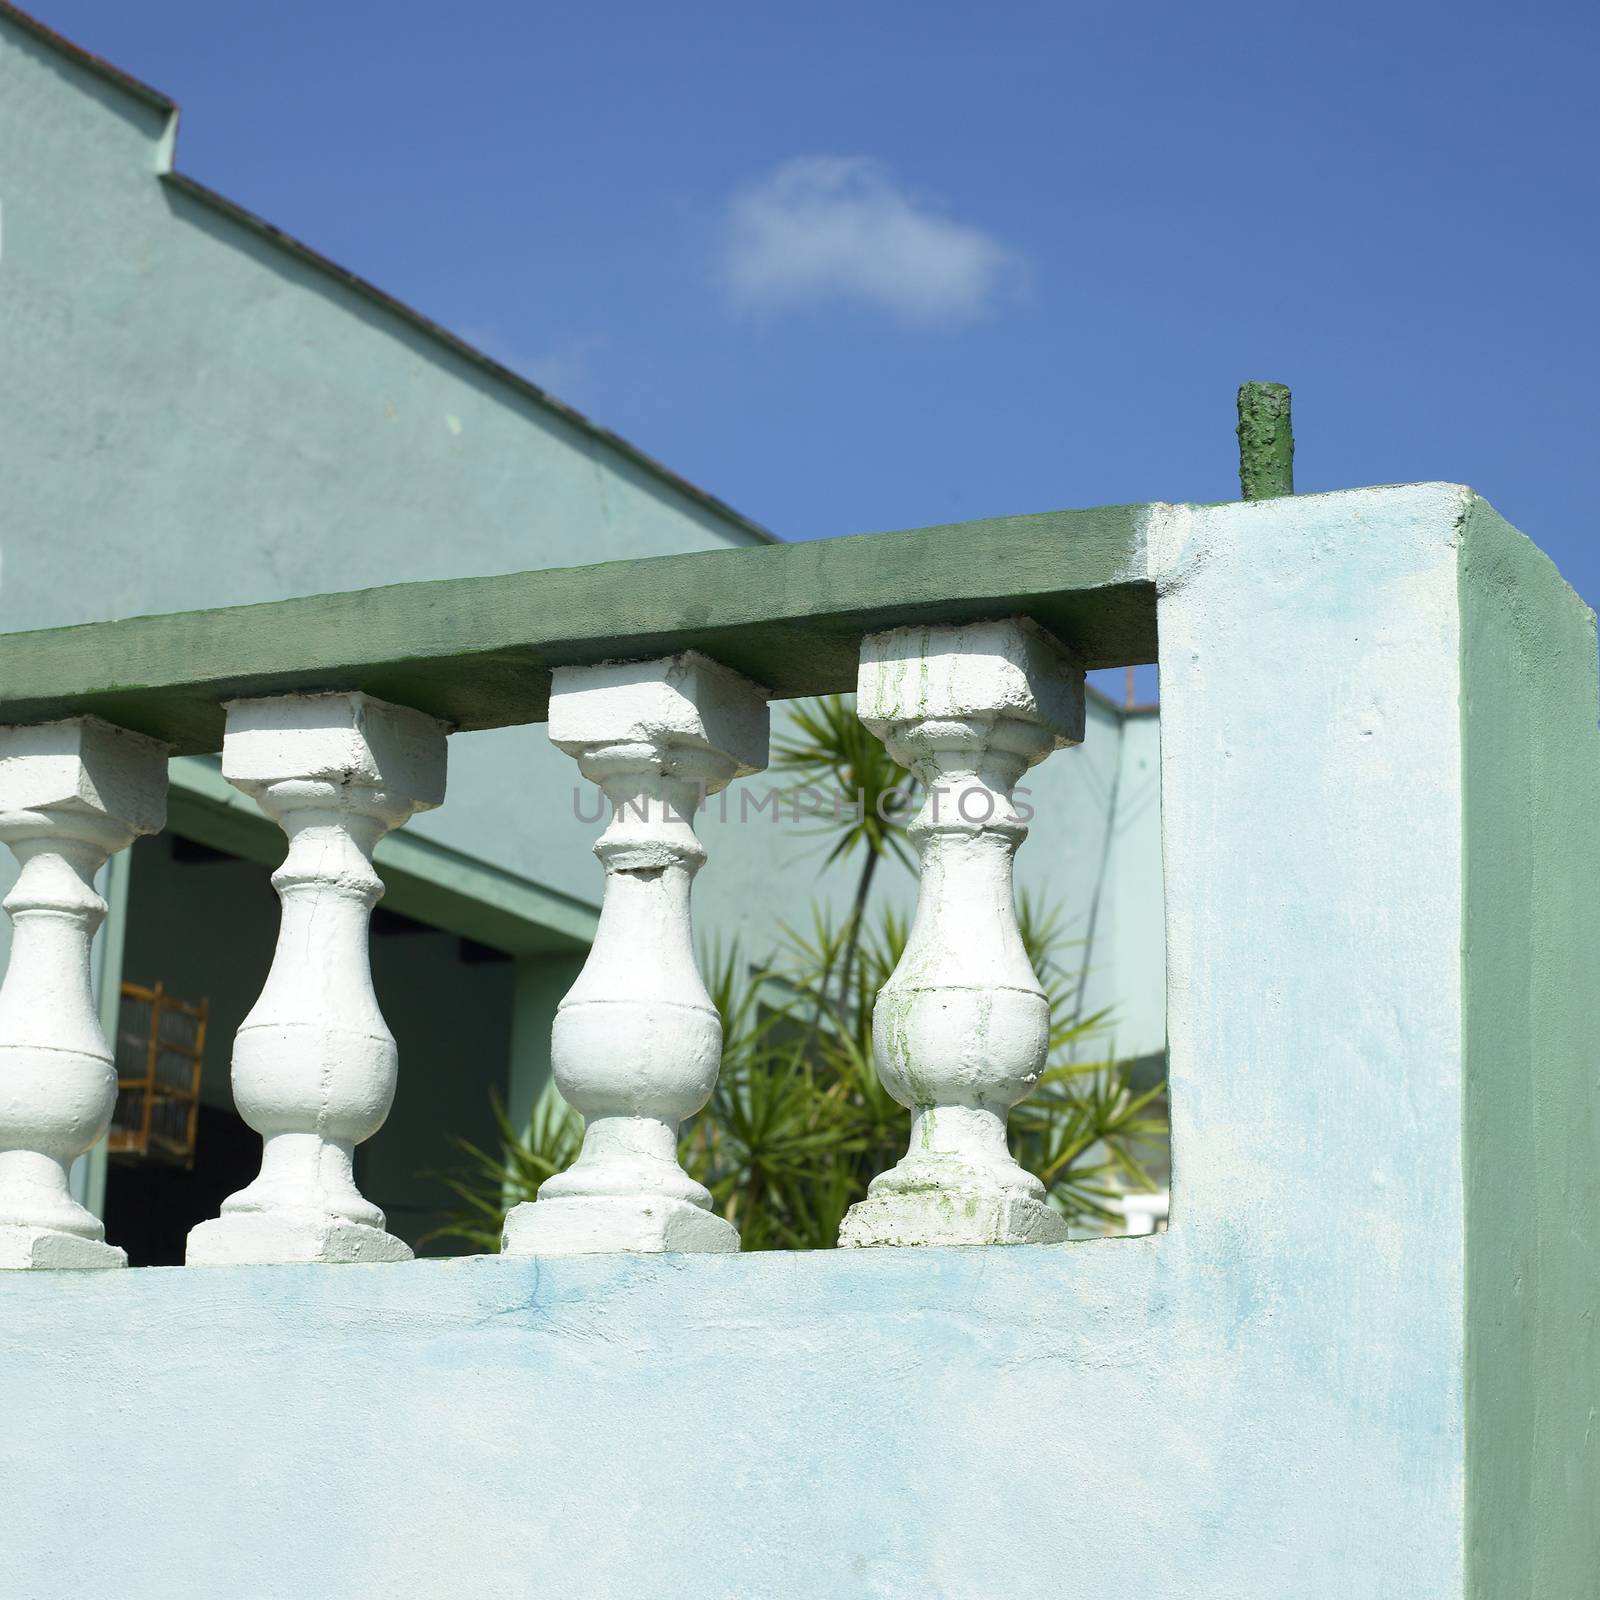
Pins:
x,y
478,652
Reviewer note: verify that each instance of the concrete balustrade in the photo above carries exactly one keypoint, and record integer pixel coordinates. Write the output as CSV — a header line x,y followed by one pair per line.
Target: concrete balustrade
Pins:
x,y
637,1042
960,1030
71,794
962,1027
314,1065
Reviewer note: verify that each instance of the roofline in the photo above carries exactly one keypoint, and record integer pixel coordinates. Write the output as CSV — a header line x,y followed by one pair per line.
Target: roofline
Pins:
x,y
137,87
369,291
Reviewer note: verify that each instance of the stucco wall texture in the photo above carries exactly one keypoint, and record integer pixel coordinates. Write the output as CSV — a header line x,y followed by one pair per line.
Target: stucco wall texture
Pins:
x,y
1106,1418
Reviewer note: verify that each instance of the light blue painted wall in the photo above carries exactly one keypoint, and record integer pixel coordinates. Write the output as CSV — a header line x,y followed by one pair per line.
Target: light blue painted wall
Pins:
x,y
1164,1418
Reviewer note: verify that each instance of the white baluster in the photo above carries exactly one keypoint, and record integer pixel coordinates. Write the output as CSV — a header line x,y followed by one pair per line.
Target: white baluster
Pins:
x,y
71,794
961,1029
314,1065
636,1042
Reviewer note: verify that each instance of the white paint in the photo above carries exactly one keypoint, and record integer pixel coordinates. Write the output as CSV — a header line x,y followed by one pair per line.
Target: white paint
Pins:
x,y
71,793
962,1027
1311,818
314,1066
636,1042
1312,837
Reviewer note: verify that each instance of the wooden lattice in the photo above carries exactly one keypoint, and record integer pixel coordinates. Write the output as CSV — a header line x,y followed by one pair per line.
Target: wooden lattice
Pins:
x,y
160,1054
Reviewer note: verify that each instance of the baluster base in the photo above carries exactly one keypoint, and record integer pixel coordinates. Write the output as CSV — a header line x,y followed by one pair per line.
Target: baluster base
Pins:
x,y
268,1239
917,1210
47,1249
598,1224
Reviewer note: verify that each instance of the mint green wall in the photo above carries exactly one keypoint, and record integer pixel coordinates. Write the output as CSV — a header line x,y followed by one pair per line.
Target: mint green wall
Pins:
x,y
1127,962
218,419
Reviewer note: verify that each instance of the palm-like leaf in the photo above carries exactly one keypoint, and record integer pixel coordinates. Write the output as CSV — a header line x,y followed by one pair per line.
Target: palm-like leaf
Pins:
x,y
828,751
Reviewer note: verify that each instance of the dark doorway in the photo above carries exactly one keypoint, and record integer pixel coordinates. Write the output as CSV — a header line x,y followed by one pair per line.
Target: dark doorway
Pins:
x,y
150,1208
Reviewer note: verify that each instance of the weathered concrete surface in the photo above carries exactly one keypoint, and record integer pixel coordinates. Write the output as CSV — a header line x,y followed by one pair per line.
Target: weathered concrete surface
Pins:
x,y
1085,1419
636,1043
961,1029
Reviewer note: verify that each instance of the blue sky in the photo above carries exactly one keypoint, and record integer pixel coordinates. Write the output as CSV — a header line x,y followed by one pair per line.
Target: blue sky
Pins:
x,y
872,265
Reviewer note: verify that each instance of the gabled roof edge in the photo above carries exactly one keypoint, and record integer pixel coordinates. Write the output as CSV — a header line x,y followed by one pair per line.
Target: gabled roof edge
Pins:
x,y
137,87
370,291
359,285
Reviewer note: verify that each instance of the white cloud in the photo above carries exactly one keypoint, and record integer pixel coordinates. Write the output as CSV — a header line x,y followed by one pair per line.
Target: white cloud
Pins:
x,y
839,228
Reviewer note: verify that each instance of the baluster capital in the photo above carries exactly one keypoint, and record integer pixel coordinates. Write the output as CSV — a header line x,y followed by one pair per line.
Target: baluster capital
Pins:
x,y
681,716
636,1042
389,758
71,794
314,1065
84,775
1005,685
962,1027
